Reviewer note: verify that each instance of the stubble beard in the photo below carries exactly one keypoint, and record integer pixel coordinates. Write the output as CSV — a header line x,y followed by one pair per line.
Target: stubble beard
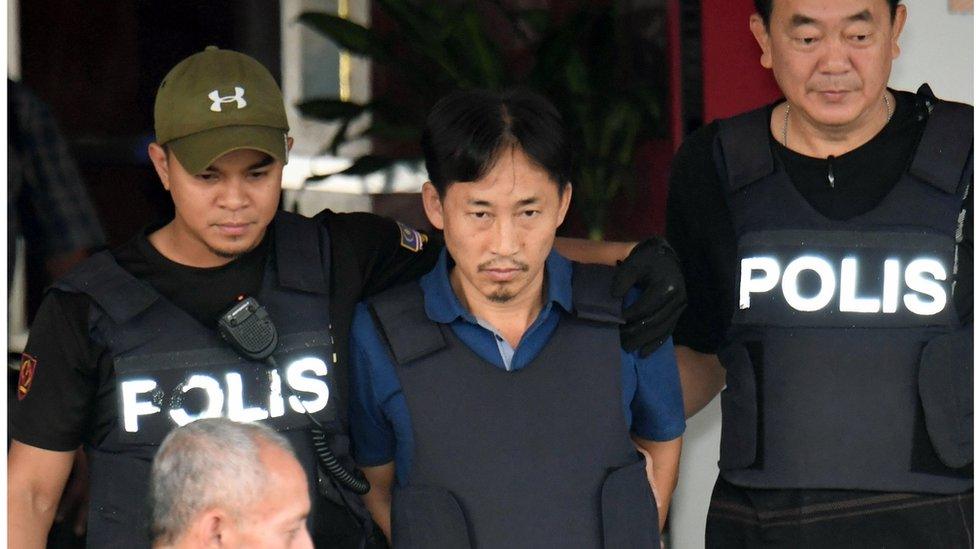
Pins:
x,y
504,293
232,254
501,295
226,255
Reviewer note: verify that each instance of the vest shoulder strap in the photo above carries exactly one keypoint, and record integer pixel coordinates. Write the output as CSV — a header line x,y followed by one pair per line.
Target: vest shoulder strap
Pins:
x,y
302,253
744,143
591,294
400,316
121,295
944,154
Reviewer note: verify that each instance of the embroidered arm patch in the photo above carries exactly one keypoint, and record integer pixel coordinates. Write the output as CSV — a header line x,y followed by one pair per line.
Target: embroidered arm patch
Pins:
x,y
27,366
411,238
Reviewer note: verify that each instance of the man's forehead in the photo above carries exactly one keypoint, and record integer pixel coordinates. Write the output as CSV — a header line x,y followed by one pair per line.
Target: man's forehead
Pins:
x,y
501,191
801,12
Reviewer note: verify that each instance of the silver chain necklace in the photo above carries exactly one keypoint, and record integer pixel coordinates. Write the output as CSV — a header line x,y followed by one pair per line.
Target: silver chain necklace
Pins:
x,y
786,117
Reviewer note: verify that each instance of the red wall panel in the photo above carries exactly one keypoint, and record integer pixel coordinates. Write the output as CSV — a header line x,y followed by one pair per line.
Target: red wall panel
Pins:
x,y
732,77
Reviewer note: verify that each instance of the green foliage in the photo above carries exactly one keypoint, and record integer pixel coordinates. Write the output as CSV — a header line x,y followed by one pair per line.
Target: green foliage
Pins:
x,y
586,61
348,35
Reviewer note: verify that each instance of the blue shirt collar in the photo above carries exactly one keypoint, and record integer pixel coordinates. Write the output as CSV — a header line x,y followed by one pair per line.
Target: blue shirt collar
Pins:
x,y
442,305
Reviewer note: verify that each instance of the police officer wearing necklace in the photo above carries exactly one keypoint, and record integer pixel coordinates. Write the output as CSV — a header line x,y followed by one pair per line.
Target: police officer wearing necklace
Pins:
x,y
827,248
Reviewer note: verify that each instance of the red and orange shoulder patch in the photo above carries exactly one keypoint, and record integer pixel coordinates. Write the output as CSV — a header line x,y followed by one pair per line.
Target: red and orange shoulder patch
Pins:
x,y
27,366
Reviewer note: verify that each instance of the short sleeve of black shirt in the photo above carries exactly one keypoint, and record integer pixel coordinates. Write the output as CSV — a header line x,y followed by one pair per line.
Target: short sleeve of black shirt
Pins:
x,y
371,254
54,414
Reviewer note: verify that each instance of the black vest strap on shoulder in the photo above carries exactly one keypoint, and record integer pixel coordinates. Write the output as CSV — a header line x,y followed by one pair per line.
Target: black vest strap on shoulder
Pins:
x,y
944,154
591,294
744,140
299,251
400,316
115,290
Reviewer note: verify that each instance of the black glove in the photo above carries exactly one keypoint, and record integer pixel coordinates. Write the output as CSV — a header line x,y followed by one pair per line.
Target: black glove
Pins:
x,y
653,267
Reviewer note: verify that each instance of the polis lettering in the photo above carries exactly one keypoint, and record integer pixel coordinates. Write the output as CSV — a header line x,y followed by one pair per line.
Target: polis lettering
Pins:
x,y
224,396
924,294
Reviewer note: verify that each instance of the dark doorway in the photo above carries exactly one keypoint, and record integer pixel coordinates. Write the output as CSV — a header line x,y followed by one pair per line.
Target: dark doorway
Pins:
x,y
97,66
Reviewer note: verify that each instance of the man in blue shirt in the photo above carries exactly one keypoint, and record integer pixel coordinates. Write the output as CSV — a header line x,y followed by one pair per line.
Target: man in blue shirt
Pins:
x,y
484,409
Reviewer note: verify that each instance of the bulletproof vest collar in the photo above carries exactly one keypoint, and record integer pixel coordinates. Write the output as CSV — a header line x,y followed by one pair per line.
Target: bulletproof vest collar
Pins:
x,y
298,254
411,335
940,159
299,251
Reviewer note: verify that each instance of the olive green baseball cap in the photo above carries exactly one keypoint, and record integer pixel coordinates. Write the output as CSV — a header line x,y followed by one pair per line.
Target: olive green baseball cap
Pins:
x,y
217,101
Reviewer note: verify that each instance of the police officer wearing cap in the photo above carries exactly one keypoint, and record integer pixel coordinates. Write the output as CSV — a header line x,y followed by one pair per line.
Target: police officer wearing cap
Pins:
x,y
827,245
125,348
492,404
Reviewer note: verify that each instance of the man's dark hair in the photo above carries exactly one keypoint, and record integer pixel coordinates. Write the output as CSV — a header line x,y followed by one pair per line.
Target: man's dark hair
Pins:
x,y
467,130
765,7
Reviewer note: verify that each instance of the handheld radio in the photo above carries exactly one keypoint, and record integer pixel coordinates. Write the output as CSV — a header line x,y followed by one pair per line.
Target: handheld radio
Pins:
x,y
248,328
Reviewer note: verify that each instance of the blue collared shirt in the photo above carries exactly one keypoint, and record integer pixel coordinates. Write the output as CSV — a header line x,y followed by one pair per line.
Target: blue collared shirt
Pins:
x,y
378,416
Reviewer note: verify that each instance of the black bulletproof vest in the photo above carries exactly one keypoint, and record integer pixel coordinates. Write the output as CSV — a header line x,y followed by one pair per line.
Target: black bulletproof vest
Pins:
x,y
170,369
824,352
539,457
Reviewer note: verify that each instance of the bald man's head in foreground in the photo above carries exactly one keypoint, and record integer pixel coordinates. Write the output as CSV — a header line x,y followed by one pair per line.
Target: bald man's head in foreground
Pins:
x,y
217,483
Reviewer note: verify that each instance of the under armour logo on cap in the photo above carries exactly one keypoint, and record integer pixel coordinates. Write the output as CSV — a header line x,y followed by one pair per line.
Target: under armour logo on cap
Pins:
x,y
218,99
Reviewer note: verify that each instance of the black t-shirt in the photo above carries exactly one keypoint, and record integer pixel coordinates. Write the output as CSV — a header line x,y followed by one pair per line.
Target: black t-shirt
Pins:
x,y
699,224
72,399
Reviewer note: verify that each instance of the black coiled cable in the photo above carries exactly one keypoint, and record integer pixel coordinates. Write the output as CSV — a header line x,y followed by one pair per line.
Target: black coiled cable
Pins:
x,y
327,459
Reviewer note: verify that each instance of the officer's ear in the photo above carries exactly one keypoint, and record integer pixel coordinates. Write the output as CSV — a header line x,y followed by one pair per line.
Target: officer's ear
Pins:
x,y
565,197
897,24
160,161
433,206
761,33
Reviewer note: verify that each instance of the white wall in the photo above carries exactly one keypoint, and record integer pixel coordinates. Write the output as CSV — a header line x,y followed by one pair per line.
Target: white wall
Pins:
x,y
13,39
698,471
936,47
